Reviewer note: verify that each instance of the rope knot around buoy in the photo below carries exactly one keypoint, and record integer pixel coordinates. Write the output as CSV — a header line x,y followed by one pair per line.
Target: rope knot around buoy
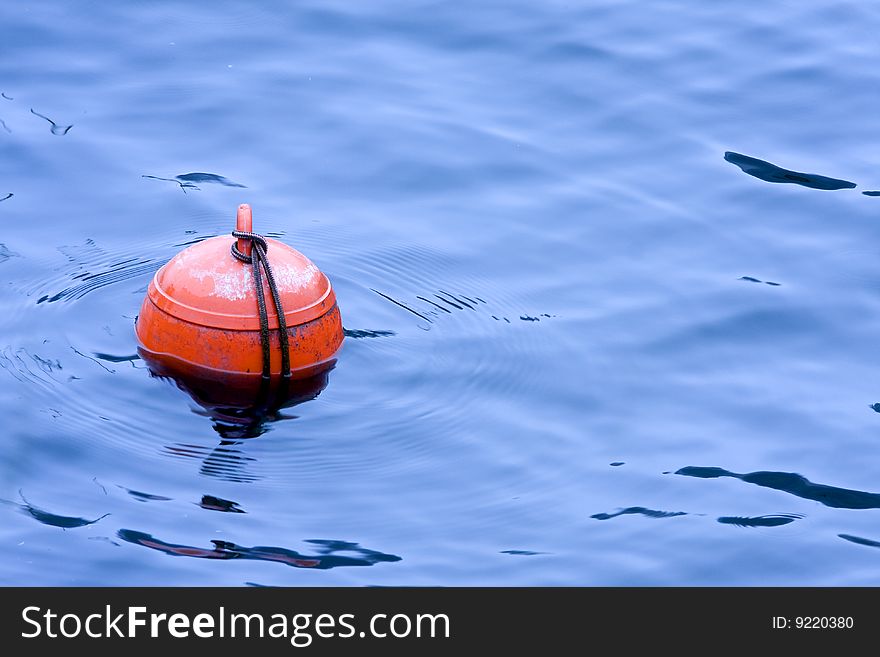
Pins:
x,y
259,259
252,238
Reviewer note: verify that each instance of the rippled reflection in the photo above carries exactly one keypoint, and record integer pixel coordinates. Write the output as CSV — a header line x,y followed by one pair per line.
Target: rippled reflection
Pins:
x,y
240,407
327,554
224,462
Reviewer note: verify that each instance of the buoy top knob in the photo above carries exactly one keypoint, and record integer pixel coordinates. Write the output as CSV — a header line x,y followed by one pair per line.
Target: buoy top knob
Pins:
x,y
244,222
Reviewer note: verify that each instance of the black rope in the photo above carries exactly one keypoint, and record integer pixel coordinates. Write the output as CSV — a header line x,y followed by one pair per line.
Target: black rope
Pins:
x,y
259,258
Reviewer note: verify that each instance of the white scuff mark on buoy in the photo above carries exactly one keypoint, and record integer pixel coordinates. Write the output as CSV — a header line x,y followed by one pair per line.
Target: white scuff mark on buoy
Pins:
x,y
292,279
237,283
232,285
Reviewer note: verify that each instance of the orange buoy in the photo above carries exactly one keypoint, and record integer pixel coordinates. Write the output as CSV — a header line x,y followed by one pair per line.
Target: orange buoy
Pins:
x,y
202,314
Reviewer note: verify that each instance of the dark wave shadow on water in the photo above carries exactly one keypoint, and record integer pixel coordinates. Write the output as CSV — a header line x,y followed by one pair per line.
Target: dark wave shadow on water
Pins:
x,y
858,540
188,180
358,334
212,503
112,358
794,484
328,553
445,303
774,174
56,129
871,193
52,519
639,510
752,279
196,240
6,254
10,194
140,496
404,306
769,520
183,185
213,178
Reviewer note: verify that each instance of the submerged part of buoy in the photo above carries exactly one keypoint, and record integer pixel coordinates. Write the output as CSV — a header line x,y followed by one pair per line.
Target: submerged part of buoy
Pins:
x,y
202,311
238,405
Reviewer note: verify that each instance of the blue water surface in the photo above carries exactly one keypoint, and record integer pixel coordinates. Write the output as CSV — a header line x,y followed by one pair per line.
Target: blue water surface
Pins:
x,y
640,276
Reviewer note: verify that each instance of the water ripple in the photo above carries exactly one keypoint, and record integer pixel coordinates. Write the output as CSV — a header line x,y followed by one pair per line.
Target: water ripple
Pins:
x,y
27,367
223,462
90,267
